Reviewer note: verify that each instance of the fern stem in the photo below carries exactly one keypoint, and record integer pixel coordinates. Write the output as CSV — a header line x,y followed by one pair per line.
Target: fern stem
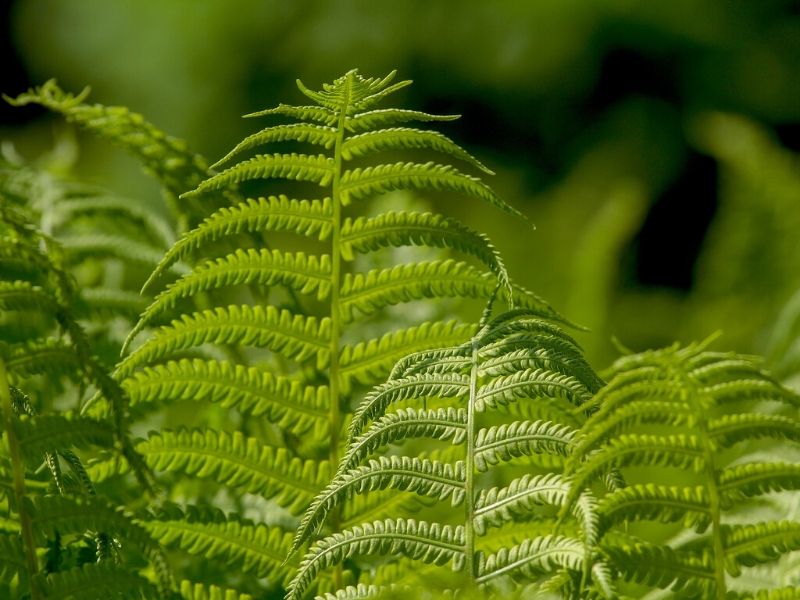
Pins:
x,y
336,269
469,483
17,465
712,488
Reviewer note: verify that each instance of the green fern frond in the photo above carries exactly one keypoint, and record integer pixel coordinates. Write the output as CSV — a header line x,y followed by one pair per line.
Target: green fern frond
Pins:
x,y
308,274
111,301
421,476
256,549
731,429
12,555
506,442
754,479
52,356
532,558
531,382
105,245
97,580
356,592
294,336
319,135
756,543
317,114
251,391
441,424
419,540
385,117
365,361
447,385
689,505
295,167
691,575
277,213
367,182
199,591
371,292
405,138
24,296
45,433
237,462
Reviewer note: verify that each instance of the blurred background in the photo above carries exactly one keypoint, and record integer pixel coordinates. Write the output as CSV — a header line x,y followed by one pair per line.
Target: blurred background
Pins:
x,y
653,144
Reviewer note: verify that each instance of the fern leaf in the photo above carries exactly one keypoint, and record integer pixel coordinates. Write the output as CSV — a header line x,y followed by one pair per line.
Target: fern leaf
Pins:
x,y
252,391
356,592
71,209
105,245
422,386
368,293
689,574
419,540
497,506
662,503
532,557
12,555
362,235
294,336
756,543
96,580
520,438
421,476
24,296
530,383
297,167
731,429
35,357
105,301
318,114
359,184
256,549
308,274
440,424
199,591
319,135
45,433
400,138
367,361
367,121
754,479
238,462
276,213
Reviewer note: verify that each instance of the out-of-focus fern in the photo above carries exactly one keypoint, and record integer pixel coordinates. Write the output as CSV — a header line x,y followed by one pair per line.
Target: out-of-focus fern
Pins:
x,y
57,517
700,437
306,307
458,395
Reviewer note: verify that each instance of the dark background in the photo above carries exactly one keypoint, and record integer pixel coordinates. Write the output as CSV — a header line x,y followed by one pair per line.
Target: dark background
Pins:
x,y
652,143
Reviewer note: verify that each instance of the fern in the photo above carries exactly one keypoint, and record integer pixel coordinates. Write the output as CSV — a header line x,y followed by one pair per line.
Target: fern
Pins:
x,y
714,413
288,356
457,378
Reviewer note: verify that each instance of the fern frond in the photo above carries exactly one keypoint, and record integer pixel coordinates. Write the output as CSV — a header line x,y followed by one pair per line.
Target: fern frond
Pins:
x,y
237,462
46,433
24,296
385,117
318,135
731,429
691,575
356,592
363,183
296,167
51,356
308,274
366,361
754,479
318,114
666,504
294,336
277,213
497,506
105,245
440,424
530,383
403,138
96,580
421,476
251,391
419,540
531,558
12,555
111,301
256,549
420,386
755,543
520,438
368,293
199,591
